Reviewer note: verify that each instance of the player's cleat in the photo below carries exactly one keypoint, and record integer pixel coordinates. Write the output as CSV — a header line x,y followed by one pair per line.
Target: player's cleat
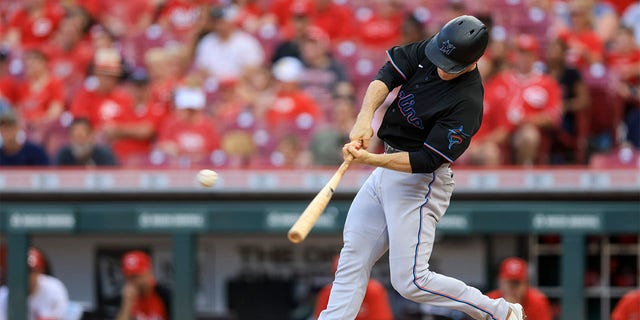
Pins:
x,y
516,312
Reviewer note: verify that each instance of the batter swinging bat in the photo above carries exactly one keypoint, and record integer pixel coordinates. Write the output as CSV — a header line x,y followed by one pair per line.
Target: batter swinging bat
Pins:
x,y
310,215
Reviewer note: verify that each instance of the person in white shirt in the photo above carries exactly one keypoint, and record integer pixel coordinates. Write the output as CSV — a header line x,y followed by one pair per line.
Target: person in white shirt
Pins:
x,y
227,52
48,297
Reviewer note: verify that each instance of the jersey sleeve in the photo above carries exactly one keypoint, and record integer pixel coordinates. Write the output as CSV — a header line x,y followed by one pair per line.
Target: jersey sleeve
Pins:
x,y
449,138
403,63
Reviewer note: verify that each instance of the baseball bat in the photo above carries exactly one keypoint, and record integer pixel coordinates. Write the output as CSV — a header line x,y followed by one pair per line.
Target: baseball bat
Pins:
x,y
310,215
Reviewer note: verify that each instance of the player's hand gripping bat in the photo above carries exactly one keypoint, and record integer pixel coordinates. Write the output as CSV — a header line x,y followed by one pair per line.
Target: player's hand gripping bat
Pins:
x,y
310,215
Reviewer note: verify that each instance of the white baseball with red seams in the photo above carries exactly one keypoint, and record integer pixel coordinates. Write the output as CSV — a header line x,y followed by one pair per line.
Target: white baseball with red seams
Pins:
x,y
207,178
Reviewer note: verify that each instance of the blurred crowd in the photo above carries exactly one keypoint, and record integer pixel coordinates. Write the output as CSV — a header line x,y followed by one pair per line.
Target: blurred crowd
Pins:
x,y
278,83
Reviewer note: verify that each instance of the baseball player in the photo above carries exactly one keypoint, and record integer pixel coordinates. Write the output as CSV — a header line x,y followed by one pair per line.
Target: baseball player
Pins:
x,y
48,297
429,124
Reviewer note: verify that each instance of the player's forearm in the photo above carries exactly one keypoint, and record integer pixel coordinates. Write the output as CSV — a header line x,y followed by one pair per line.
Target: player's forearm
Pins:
x,y
374,97
398,161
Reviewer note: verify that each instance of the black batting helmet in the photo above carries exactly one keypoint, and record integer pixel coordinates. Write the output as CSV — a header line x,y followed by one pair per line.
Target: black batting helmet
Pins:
x,y
459,43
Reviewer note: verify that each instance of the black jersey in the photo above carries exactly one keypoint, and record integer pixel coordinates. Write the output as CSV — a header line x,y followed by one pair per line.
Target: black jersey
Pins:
x,y
429,115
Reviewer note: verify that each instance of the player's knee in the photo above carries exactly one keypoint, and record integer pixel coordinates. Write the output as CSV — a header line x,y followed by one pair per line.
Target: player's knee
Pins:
x,y
405,283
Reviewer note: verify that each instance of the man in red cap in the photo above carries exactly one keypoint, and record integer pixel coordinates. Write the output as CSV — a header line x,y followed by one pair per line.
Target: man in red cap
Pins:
x,y
48,297
513,286
142,298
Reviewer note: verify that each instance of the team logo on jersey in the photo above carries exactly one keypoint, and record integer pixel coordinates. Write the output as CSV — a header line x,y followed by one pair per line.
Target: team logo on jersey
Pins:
x,y
447,47
456,136
405,104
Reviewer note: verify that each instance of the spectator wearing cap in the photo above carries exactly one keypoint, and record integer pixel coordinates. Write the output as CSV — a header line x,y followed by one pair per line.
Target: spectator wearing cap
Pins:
x,y
322,73
132,133
531,101
16,150
101,100
513,286
142,296
227,52
40,96
48,297
82,149
628,308
292,110
189,133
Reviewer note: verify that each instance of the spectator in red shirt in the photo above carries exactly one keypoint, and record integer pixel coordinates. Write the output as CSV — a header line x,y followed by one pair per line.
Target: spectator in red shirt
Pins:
x,y
35,23
102,100
132,132
334,19
628,308
282,10
375,305
7,83
292,110
531,100
126,18
381,27
513,287
189,135
142,297
585,46
40,97
180,17
70,52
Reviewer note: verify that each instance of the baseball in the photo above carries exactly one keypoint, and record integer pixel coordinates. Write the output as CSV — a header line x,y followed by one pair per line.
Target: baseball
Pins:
x,y
207,178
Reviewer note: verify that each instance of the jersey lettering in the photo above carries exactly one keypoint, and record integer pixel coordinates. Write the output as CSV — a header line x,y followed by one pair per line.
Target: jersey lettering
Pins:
x,y
405,105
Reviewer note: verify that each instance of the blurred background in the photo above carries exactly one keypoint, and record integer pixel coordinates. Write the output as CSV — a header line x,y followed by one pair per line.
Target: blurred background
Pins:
x,y
108,109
